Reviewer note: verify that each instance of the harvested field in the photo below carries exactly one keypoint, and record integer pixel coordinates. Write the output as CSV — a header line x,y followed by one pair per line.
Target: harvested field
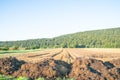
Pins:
x,y
80,64
69,54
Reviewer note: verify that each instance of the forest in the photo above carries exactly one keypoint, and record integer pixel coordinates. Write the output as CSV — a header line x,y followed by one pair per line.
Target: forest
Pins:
x,y
104,38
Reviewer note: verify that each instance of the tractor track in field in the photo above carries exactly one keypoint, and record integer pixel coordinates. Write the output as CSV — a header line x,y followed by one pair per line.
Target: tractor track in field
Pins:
x,y
69,54
57,53
37,55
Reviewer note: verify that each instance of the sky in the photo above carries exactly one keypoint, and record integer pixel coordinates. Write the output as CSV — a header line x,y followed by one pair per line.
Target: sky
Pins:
x,y
31,19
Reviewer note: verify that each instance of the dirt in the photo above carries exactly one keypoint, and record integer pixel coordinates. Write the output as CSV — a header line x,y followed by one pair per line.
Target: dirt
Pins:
x,y
91,69
80,69
49,68
70,54
9,65
67,54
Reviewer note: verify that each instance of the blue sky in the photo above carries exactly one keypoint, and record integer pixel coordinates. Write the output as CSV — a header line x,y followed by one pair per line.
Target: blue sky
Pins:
x,y
29,19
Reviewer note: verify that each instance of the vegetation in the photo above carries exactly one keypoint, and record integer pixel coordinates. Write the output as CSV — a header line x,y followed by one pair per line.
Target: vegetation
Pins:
x,y
65,78
18,51
106,38
2,77
22,78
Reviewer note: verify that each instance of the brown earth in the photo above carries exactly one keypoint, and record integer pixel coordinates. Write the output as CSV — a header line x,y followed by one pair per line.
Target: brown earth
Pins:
x,y
80,69
81,64
69,55
50,68
9,65
92,69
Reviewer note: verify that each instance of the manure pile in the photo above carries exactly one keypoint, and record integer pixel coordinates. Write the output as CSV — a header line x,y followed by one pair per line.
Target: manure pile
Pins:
x,y
50,69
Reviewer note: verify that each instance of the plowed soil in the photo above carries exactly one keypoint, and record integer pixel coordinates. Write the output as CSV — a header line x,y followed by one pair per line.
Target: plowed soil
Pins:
x,y
80,64
69,55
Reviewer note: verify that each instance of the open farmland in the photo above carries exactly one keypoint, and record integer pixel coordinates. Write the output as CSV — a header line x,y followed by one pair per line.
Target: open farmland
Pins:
x,y
77,63
67,54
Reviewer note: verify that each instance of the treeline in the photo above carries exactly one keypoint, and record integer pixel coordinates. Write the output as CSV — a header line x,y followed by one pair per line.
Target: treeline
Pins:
x,y
106,38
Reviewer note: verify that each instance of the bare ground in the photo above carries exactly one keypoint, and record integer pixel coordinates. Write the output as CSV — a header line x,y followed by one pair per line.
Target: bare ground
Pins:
x,y
70,54
50,69
81,64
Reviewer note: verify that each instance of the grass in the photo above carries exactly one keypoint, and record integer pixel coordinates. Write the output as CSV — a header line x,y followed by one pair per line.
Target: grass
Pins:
x,y
22,78
40,78
65,78
14,53
3,77
17,51
21,51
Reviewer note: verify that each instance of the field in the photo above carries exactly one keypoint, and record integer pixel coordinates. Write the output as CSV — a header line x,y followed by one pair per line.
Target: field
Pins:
x,y
77,63
66,54
14,53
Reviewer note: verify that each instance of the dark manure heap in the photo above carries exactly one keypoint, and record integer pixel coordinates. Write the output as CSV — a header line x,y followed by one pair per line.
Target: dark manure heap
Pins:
x,y
50,69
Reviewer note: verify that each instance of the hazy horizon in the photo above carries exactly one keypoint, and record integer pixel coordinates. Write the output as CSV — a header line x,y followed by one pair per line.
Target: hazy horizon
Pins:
x,y
59,35
31,19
